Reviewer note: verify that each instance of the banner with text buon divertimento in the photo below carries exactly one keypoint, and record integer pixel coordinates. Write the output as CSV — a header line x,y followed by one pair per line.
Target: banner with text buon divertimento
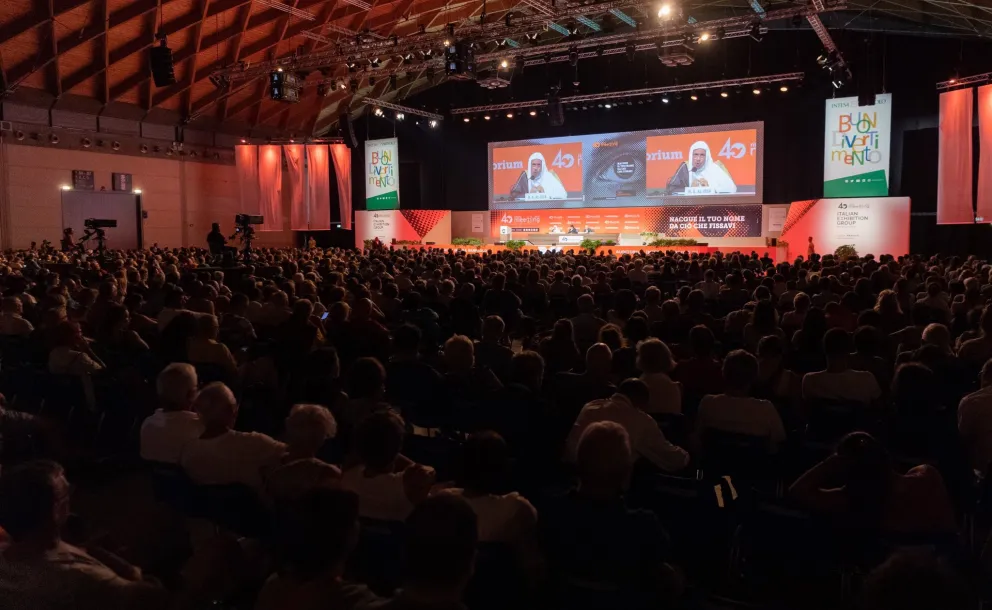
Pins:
x,y
382,174
856,150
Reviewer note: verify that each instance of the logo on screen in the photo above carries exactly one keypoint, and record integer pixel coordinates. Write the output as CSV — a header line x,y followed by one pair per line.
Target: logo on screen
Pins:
x,y
841,206
563,161
733,151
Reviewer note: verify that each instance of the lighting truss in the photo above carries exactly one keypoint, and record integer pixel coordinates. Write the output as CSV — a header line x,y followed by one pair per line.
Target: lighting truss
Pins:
x,y
635,93
622,16
292,10
315,36
978,79
589,23
474,32
434,40
371,101
359,3
822,32
541,7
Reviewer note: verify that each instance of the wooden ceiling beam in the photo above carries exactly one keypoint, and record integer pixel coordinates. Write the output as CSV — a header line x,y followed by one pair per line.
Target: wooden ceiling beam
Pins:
x,y
235,56
105,48
40,15
53,35
191,69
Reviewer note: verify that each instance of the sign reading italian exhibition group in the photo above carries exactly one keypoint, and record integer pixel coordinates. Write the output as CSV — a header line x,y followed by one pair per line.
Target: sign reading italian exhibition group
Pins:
x,y
856,157
382,175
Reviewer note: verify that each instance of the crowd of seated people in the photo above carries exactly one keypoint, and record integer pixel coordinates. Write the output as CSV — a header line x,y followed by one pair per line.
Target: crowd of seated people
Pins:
x,y
427,429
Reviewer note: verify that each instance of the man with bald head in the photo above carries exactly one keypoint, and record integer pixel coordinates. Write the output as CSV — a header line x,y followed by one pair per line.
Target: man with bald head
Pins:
x,y
222,455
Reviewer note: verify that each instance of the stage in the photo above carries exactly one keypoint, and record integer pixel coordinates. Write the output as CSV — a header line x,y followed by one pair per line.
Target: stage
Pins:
x,y
776,254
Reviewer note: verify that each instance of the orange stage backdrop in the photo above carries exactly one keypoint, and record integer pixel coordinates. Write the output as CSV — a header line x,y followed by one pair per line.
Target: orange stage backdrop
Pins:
x,y
508,163
737,150
707,220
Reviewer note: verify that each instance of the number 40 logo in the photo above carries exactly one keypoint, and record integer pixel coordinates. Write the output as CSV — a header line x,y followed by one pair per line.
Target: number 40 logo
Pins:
x,y
563,161
733,151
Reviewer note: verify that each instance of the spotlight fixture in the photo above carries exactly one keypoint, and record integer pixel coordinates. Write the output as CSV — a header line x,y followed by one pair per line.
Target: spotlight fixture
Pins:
x,y
371,81
504,64
393,80
783,88
573,56
400,116
756,91
519,63
630,50
53,139
466,119
664,99
607,106
433,123
704,37
447,43
509,115
724,94
533,113
144,147
86,142
665,11
343,86
694,97
487,117
66,187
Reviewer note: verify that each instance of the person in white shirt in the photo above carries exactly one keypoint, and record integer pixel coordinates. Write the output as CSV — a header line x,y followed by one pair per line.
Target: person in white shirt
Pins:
x,y
975,422
221,455
839,382
655,360
166,432
388,484
735,410
12,322
709,286
627,408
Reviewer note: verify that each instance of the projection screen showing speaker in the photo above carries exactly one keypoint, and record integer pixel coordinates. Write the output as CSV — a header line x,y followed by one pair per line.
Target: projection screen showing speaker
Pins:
x,y
716,164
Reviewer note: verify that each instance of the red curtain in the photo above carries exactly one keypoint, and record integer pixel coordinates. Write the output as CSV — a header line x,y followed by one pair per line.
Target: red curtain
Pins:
x,y
270,186
318,183
954,188
246,162
342,169
299,215
984,208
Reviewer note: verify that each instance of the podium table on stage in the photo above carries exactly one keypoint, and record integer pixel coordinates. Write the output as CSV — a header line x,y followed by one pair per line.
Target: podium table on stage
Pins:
x,y
564,240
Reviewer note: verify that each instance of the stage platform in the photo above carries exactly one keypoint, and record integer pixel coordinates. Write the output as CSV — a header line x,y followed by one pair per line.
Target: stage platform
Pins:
x,y
777,254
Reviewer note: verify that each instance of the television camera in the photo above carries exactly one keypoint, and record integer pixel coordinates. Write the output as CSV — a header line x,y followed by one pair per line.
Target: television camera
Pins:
x,y
245,232
95,230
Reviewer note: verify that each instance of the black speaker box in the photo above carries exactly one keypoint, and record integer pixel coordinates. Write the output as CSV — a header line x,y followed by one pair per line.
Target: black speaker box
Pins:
x,y
347,130
160,58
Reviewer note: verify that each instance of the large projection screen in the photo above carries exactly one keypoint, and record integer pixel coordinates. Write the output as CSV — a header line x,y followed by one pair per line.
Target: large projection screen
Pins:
x,y
718,164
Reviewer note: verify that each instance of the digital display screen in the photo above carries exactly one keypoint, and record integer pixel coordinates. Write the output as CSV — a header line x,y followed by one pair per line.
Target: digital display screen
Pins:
x,y
714,164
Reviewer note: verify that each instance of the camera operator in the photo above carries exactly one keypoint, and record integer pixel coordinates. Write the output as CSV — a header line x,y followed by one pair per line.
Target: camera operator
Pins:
x,y
215,240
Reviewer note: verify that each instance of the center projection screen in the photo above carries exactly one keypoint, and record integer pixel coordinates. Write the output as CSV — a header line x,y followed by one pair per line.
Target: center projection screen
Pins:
x,y
717,164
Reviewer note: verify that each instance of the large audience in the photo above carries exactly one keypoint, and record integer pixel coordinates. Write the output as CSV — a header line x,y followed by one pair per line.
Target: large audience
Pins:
x,y
428,429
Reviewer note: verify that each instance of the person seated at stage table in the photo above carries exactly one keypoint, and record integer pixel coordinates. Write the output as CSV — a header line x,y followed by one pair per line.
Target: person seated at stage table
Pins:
x,y
540,179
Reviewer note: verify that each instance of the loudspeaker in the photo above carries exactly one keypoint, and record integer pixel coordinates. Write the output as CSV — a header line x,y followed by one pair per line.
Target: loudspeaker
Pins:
x,y
555,113
347,130
160,58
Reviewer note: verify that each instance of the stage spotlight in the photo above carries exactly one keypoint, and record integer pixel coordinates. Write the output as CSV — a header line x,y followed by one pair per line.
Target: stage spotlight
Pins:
x,y
504,64
665,11
393,79
447,43
466,119
664,99
344,86
630,50
377,112
756,91
487,117
724,93
599,51
694,97
508,20
433,123
704,37
783,88
608,106
371,81
533,113
519,63
400,116
573,56
509,115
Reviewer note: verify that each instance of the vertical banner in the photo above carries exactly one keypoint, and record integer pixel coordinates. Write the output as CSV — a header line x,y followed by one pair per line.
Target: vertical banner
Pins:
x,y
318,185
983,211
341,155
954,187
246,163
382,176
856,151
270,186
299,214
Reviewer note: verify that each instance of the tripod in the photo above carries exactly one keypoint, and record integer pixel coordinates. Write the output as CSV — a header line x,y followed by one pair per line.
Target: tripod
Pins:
x,y
101,240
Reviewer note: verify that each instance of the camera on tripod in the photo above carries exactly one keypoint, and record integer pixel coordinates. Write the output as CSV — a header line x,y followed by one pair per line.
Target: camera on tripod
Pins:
x,y
100,223
243,229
